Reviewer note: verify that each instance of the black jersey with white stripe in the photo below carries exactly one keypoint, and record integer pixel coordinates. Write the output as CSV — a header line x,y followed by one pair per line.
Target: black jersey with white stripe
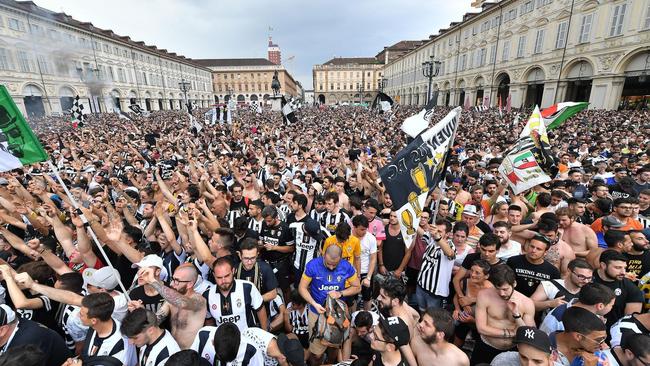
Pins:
x,y
115,345
627,325
239,306
255,225
299,320
73,330
251,352
157,353
278,235
171,260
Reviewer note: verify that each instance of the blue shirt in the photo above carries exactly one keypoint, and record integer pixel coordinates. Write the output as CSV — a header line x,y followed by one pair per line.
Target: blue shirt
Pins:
x,y
324,280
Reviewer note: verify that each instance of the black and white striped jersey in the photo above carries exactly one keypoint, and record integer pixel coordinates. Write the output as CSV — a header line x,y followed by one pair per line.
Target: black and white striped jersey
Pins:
x,y
435,272
239,306
171,260
307,247
299,320
255,225
274,306
73,330
252,347
157,353
115,345
627,325
331,220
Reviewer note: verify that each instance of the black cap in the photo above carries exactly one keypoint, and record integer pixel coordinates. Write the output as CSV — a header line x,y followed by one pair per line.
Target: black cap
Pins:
x,y
395,330
534,338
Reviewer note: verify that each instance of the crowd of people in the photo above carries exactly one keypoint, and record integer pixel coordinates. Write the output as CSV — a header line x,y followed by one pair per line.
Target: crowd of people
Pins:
x,y
145,241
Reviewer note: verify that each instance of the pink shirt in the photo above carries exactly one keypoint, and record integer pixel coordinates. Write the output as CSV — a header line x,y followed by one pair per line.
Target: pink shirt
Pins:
x,y
376,228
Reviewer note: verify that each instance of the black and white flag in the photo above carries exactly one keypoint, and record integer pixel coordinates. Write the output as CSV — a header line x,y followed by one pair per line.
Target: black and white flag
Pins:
x,y
414,125
289,109
383,103
481,108
136,109
77,112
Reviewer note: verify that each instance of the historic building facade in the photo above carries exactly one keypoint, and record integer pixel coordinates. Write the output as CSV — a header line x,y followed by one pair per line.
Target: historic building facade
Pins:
x,y
247,79
48,58
534,52
347,80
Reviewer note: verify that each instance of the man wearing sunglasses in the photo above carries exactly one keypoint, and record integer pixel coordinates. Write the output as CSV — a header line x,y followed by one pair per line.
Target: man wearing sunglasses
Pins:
x,y
583,337
386,339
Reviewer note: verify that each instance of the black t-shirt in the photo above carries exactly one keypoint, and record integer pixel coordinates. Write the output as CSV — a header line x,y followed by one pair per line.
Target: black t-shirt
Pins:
x,y
626,292
377,361
266,277
45,315
121,264
638,264
248,234
393,250
279,235
240,207
472,257
47,340
530,275
152,303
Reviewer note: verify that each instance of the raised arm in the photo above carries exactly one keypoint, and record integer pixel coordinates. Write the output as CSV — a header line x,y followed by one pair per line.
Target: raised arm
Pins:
x,y
173,297
58,295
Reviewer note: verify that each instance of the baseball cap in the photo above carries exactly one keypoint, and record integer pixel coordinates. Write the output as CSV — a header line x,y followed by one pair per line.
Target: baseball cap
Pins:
x,y
291,349
534,338
152,260
318,187
105,277
7,314
396,330
470,210
612,222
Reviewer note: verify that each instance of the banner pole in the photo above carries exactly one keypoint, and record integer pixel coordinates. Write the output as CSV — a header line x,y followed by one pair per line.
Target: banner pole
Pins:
x,y
444,175
75,205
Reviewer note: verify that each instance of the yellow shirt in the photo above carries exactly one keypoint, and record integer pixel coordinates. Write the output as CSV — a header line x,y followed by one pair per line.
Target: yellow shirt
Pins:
x,y
351,248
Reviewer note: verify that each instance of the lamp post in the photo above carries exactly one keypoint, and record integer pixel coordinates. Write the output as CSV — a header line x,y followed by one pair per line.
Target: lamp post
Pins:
x,y
382,84
360,91
430,70
184,86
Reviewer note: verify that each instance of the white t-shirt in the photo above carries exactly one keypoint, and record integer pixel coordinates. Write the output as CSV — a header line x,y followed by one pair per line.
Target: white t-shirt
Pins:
x,y
121,306
368,248
550,290
514,248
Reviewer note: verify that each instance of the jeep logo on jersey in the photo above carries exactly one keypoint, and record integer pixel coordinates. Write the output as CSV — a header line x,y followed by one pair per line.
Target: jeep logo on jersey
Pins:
x,y
229,319
329,288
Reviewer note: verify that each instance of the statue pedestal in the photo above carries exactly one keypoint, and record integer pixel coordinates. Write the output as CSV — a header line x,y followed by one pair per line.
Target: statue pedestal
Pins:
x,y
276,103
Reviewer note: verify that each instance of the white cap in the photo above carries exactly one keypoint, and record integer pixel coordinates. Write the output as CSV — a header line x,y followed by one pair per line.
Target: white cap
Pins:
x,y
106,277
470,210
152,260
7,314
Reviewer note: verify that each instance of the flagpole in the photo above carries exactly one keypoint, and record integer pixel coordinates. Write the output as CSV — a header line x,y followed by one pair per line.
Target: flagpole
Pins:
x,y
75,205
444,176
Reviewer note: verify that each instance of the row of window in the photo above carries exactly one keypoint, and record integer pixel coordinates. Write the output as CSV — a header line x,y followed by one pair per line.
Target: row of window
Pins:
x,y
239,75
345,74
345,86
71,39
25,63
242,87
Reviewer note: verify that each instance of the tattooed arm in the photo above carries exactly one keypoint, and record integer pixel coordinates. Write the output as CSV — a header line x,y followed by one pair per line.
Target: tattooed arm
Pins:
x,y
162,313
175,298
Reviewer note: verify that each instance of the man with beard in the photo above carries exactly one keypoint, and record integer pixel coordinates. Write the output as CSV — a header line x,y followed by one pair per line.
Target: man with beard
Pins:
x,y
611,273
580,237
531,268
185,308
255,216
499,312
430,345
234,301
638,258
559,252
238,203
509,248
553,293
392,293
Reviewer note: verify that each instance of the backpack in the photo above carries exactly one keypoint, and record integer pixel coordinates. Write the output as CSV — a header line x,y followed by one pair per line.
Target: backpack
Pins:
x,y
333,326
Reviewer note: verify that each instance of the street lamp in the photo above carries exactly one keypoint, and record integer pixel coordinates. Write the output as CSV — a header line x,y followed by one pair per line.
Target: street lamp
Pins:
x,y
430,70
184,86
360,90
382,84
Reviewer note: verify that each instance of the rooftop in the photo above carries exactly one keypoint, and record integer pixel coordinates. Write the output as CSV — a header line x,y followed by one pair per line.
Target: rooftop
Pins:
x,y
215,62
352,60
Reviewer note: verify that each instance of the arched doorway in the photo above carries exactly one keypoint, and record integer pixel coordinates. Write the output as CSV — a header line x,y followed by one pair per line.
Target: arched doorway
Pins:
x,y
66,98
133,98
253,98
115,99
33,99
479,82
580,79
535,89
147,101
226,98
216,99
503,89
636,90
160,101
241,98
321,99
461,93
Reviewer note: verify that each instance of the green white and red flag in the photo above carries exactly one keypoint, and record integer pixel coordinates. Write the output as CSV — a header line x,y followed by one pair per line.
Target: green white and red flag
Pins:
x,y
556,114
18,144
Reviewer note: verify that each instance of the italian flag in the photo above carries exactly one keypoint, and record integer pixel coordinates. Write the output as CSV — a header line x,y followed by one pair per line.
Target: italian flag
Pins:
x,y
556,114
18,145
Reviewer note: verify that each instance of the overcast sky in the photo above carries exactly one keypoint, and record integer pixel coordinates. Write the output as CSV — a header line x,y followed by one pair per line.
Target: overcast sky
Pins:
x,y
312,31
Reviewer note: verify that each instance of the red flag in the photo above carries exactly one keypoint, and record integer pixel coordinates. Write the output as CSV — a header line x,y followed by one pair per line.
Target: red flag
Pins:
x,y
509,103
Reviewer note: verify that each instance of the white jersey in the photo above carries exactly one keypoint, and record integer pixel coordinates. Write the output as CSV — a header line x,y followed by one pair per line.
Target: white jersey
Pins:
x,y
435,273
368,248
239,306
330,221
156,354
255,225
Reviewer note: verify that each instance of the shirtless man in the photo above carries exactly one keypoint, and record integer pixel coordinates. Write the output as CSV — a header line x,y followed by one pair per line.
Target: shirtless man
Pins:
x,y
185,307
560,253
430,345
579,236
390,301
499,312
